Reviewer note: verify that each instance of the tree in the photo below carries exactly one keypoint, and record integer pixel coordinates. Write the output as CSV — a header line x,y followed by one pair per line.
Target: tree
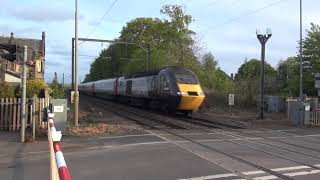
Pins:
x,y
311,58
288,76
209,62
170,40
248,80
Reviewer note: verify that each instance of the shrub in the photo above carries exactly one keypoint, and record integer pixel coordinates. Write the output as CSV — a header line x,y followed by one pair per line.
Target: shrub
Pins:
x,y
57,91
33,87
6,91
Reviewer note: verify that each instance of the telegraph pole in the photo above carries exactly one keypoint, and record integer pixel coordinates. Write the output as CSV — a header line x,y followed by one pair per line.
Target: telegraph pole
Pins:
x,y
24,94
300,53
263,38
76,92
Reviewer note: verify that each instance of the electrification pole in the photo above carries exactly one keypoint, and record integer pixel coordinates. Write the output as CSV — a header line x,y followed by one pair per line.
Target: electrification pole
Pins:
x,y
76,92
263,38
149,54
72,68
24,94
300,51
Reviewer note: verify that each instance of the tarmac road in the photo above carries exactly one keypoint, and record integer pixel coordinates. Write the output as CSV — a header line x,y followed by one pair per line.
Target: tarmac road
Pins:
x,y
157,155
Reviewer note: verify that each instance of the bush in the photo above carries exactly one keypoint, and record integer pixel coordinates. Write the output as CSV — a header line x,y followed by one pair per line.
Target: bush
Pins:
x,y
57,91
33,87
6,91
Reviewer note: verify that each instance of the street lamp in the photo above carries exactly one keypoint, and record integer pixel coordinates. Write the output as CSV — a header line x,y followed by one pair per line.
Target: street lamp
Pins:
x,y
263,38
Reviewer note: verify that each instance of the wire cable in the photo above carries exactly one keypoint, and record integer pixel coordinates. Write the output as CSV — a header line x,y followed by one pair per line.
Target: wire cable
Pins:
x,y
98,23
235,19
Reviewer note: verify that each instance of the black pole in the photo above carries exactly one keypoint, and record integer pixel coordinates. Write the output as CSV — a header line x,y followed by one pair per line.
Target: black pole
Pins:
x,y
72,68
263,47
149,54
263,38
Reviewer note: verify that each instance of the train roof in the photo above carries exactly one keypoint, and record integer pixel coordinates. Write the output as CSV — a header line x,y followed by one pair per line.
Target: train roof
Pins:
x,y
156,72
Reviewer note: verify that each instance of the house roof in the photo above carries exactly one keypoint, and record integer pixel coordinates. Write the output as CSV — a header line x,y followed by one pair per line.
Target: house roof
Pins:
x,y
34,46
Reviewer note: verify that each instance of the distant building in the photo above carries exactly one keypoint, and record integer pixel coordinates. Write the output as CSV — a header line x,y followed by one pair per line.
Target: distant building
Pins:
x,y
11,57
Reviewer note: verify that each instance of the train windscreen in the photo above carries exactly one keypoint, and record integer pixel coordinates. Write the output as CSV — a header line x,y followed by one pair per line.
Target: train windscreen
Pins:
x,y
186,79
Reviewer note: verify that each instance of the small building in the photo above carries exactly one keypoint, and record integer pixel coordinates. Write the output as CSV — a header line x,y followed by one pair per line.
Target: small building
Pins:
x,y
11,58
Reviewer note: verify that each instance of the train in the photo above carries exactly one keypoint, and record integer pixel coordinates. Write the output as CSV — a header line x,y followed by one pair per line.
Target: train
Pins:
x,y
172,89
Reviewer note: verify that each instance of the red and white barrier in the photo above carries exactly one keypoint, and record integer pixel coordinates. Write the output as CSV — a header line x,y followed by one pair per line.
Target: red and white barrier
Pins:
x,y
60,162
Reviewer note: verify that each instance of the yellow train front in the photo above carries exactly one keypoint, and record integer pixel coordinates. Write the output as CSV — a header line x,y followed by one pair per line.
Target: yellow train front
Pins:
x,y
179,90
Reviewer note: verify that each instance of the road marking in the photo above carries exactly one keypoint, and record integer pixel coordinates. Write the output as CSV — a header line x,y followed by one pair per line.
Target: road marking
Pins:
x,y
291,168
217,176
301,173
277,170
317,165
115,137
253,172
265,177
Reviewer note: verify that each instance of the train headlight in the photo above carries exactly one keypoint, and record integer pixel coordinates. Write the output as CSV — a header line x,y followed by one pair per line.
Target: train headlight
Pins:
x,y
181,93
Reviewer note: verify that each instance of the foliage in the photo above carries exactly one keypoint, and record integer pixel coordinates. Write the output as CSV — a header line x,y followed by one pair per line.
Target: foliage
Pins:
x,y
288,76
311,58
209,62
170,40
33,87
56,91
6,91
247,81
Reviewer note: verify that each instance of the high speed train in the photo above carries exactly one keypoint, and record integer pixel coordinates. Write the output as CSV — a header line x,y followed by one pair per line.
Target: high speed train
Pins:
x,y
173,89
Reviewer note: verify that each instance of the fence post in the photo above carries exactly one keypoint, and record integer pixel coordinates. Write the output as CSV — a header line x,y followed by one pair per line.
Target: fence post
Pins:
x,y
2,114
14,123
10,109
36,114
6,113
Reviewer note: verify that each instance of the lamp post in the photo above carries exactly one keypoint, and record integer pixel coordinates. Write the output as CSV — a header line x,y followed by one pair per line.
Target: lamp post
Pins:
x,y
263,38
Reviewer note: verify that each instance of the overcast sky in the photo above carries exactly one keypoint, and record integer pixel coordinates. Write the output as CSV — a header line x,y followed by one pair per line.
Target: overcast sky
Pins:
x,y
224,27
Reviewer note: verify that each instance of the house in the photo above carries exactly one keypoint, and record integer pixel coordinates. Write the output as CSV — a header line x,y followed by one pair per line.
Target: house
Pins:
x,y
11,58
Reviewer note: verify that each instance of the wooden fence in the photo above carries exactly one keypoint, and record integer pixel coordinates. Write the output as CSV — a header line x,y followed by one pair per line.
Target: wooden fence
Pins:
x,y
10,113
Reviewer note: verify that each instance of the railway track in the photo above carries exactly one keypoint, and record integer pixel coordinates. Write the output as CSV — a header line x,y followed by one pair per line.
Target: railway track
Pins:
x,y
163,124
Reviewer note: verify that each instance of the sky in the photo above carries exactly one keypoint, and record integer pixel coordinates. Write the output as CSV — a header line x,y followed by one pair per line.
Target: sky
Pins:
x,y
227,28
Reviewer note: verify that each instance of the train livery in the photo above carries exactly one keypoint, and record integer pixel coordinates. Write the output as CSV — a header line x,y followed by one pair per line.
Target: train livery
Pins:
x,y
171,89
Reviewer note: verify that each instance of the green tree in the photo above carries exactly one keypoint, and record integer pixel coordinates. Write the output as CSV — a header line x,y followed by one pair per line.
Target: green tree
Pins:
x,y
311,58
170,40
209,62
247,81
288,76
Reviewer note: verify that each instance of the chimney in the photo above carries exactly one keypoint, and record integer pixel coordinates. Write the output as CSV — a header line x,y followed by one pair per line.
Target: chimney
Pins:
x,y
43,45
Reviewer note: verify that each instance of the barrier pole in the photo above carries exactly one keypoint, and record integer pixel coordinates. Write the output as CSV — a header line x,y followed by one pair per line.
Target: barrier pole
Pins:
x,y
53,165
